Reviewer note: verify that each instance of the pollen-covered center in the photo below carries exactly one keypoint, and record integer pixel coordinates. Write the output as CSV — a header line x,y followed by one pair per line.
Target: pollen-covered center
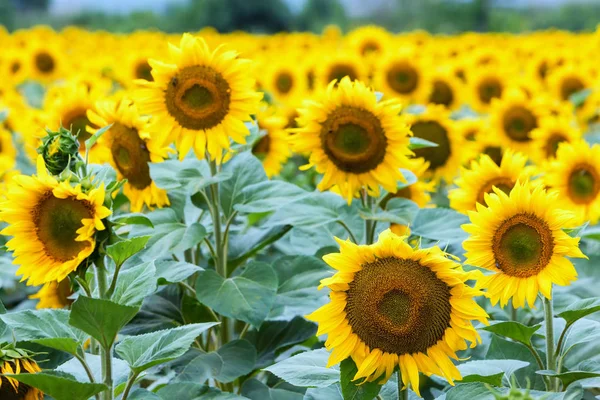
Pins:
x,y
403,78
130,155
434,132
198,97
490,88
522,245
341,70
570,86
284,82
57,221
398,306
353,139
44,62
8,392
584,184
441,94
552,144
518,122
503,183
143,70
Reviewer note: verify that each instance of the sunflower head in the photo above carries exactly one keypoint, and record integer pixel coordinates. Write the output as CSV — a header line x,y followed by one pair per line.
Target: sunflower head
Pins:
x,y
60,150
394,306
14,361
54,295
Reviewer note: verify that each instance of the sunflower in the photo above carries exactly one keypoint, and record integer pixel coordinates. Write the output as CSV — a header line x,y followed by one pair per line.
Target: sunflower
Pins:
x,y
52,224
574,175
484,175
484,85
54,295
446,89
273,148
513,117
12,389
402,76
369,41
352,139
285,80
393,306
568,80
520,238
549,134
199,98
337,66
129,148
418,191
46,59
435,125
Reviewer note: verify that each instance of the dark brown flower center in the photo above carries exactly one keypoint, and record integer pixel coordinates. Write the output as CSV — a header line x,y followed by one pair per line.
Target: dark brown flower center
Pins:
x,y
503,183
131,156
369,47
522,245
77,122
7,392
434,132
518,122
341,70
398,306
284,82
441,94
143,70
494,152
262,146
584,184
403,78
198,97
44,62
552,144
490,88
570,86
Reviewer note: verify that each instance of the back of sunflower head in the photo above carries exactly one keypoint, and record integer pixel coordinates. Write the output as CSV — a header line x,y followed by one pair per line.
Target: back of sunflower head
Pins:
x,y
60,150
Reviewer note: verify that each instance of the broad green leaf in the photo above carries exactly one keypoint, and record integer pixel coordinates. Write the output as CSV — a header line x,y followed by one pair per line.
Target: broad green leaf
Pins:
x,y
135,284
246,244
247,170
145,351
234,359
441,224
120,369
170,271
268,196
46,327
419,143
397,211
308,369
177,237
102,319
513,330
489,371
358,390
409,177
256,390
569,377
248,296
161,310
580,309
190,174
2,308
194,391
123,250
480,391
142,394
133,219
59,385
578,98
318,209
333,392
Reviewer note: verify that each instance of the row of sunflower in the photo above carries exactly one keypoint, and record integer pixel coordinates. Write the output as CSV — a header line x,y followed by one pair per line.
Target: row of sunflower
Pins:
x,y
209,173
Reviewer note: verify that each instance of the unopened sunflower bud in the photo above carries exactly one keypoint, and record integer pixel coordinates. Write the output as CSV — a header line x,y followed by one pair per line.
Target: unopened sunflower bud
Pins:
x,y
60,150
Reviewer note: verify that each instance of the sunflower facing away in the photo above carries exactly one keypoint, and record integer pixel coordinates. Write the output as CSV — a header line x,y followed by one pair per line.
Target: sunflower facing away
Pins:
x,y
129,148
54,295
52,225
484,175
11,389
574,176
393,306
520,238
273,149
199,98
353,140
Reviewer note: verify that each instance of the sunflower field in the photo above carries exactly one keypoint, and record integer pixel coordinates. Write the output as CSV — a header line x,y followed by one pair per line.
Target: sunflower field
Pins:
x,y
298,216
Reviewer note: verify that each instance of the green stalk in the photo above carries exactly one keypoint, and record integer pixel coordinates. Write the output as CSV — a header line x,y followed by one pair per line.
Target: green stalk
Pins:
x,y
369,224
402,393
105,354
550,355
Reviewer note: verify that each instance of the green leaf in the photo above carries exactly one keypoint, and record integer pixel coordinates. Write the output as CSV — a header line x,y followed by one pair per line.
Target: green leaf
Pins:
x,y
133,219
120,369
246,244
46,327
145,351
143,394
194,391
569,377
102,319
439,224
513,330
397,211
161,310
59,385
268,196
247,170
317,209
501,349
308,369
489,371
578,98
170,271
333,392
256,390
248,296
358,390
135,284
234,359
419,143
190,174
92,139
123,250
580,309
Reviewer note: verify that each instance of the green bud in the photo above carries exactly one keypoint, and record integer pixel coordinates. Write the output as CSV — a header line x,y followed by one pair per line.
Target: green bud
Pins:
x,y
60,150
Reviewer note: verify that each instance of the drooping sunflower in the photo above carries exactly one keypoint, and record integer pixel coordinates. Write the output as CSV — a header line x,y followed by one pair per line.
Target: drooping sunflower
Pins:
x,y
513,117
199,98
549,134
129,148
12,389
274,147
402,76
52,225
574,175
435,125
393,306
352,139
520,238
484,175
54,295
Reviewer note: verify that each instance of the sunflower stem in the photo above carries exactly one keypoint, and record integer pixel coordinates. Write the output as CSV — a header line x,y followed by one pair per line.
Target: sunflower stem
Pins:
x,y
105,353
550,350
402,393
369,223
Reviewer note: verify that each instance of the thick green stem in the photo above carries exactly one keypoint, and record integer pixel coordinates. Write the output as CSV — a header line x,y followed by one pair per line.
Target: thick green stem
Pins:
x,y
402,393
369,223
105,353
87,369
550,350
130,383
